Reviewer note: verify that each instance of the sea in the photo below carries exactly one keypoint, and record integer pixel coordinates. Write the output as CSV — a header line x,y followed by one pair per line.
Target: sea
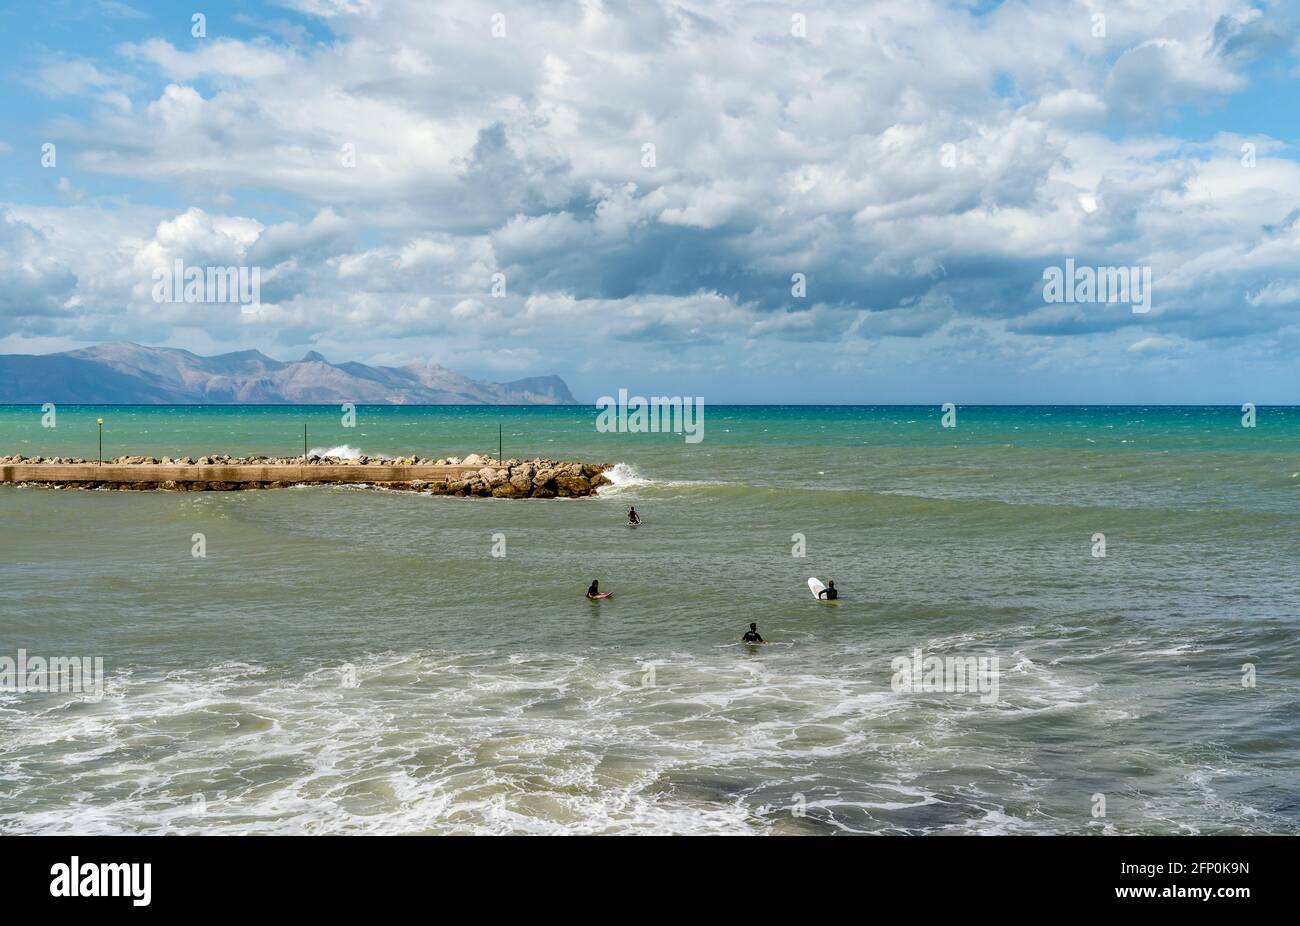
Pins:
x,y
1121,584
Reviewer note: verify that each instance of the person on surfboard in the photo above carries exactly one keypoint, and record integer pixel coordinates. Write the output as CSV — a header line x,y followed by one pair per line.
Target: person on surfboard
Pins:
x,y
594,592
752,635
828,593
632,517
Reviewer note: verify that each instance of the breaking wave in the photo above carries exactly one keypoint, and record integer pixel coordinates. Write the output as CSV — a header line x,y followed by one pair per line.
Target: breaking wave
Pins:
x,y
623,475
342,451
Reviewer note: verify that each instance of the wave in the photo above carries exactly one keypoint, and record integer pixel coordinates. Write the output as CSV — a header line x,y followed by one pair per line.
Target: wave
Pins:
x,y
529,720
526,742
342,451
625,477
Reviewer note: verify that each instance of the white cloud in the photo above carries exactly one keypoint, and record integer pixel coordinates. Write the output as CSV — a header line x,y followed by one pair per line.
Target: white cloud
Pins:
x,y
35,286
918,163
218,57
60,75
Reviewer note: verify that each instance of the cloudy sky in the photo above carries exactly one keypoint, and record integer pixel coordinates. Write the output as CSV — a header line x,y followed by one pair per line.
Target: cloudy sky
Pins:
x,y
649,178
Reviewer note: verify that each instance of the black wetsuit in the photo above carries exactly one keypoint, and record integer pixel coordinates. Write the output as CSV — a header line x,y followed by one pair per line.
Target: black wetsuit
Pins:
x,y
830,594
751,636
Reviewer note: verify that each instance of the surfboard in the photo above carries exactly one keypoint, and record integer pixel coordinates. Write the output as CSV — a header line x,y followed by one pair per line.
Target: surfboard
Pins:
x,y
602,595
816,587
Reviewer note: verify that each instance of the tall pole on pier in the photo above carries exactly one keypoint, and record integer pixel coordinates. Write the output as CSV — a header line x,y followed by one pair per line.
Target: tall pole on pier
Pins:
x,y
499,456
304,442
100,422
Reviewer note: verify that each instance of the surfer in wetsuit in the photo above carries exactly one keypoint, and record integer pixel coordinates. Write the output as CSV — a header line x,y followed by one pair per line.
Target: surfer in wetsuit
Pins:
x,y
633,517
751,635
829,593
594,591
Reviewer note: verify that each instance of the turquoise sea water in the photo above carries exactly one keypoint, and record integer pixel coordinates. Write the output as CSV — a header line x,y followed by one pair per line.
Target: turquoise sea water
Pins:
x,y
357,660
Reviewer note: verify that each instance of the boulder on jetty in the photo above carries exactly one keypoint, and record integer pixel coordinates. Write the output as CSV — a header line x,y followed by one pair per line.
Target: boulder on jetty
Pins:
x,y
474,475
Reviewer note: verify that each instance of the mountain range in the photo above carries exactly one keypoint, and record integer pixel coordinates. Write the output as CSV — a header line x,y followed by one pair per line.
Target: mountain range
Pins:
x,y
121,373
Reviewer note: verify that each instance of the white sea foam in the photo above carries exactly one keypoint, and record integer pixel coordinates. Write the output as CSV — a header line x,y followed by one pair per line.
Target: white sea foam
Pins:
x,y
487,742
433,743
523,742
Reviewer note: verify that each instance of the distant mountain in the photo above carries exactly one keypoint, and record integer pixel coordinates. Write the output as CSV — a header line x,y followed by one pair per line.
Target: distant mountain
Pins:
x,y
120,373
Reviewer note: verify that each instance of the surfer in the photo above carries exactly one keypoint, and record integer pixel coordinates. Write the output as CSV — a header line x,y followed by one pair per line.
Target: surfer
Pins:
x,y
752,635
632,517
594,592
829,593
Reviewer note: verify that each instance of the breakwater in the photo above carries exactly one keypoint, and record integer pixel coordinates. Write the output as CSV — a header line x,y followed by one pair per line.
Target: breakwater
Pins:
x,y
473,475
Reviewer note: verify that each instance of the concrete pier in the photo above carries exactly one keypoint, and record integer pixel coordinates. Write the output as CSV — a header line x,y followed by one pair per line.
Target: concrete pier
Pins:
x,y
508,479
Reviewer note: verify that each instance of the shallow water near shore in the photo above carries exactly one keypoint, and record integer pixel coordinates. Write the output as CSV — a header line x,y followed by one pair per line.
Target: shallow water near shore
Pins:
x,y
356,660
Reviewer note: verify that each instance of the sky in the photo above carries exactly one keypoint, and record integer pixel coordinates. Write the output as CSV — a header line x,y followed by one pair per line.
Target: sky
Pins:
x,y
748,202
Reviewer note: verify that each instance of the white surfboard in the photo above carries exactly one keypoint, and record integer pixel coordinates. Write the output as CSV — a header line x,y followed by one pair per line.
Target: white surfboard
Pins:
x,y
816,587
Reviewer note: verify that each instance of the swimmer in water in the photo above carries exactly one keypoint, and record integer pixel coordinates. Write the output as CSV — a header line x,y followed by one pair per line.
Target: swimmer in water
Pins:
x,y
594,592
633,517
751,635
829,593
